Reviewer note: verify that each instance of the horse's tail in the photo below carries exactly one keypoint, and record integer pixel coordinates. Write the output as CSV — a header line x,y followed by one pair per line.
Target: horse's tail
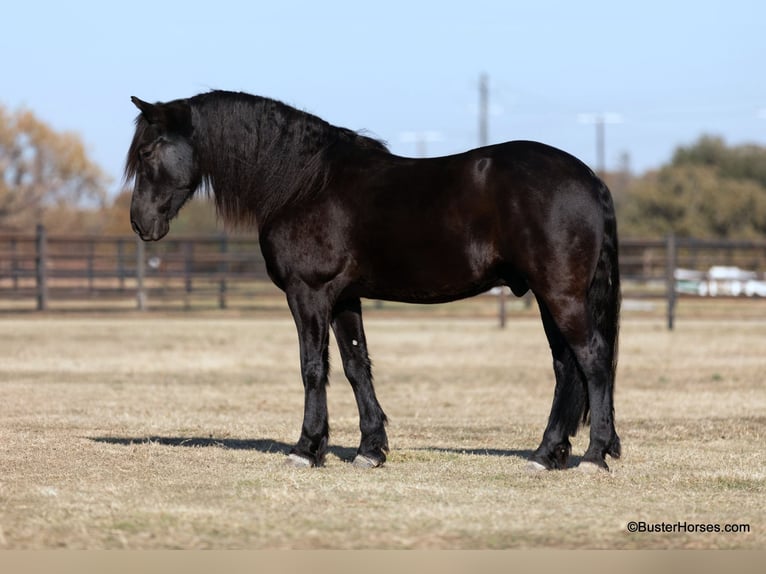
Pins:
x,y
604,295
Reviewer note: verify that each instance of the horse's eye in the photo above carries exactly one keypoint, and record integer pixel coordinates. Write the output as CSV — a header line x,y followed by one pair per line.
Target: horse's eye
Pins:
x,y
146,152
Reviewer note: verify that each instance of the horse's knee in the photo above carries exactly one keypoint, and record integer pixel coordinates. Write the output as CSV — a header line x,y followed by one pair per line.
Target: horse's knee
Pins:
x,y
314,373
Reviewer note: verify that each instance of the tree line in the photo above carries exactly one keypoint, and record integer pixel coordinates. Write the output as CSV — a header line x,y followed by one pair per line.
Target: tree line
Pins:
x,y
708,189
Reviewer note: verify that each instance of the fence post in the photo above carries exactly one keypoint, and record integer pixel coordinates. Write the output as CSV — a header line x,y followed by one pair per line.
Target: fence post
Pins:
x,y
501,306
188,251
671,261
41,265
121,263
223,269
140,270
15,263
90,264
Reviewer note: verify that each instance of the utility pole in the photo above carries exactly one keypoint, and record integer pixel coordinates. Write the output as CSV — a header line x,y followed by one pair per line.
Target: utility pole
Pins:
x,y
600,120
484,141
421,140
600,149
483,110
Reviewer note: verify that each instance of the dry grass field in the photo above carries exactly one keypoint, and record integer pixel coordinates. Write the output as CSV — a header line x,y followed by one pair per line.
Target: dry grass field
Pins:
x,y
163,432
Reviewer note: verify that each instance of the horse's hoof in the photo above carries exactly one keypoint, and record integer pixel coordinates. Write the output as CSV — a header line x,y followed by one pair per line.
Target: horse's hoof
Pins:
x,y
533,467
615,449
297,461
362,461
588,467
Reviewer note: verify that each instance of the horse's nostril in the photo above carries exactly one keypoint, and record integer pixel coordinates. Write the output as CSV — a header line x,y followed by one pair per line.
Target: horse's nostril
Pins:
x,y
136,228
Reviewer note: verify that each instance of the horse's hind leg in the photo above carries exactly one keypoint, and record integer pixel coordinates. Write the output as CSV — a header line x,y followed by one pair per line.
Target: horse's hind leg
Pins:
x,y
594,358
593,363
349,333
570,401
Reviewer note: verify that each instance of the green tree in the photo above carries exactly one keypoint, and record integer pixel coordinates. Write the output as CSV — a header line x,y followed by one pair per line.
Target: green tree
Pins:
x,y
744,162
708,190
44,174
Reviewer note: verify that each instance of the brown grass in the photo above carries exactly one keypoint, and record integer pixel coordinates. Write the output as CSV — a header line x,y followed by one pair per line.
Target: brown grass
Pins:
x,y
166,432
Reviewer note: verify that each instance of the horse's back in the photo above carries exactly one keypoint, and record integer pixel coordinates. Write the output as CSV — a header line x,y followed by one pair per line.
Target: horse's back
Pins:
x,y
524,168
521,194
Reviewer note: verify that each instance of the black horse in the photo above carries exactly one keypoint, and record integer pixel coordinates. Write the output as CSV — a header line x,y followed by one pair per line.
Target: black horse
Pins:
x,y
339,218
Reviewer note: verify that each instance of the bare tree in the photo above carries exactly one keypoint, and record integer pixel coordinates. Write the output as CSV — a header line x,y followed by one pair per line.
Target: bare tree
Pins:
x,y
42,170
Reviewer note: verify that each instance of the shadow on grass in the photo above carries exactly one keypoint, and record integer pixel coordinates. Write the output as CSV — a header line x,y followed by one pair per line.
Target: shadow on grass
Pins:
x,y
261,445
479,451
574,460
279,447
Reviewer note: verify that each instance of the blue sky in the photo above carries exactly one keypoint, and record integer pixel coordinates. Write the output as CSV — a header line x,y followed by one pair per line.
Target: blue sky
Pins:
x,y
671,70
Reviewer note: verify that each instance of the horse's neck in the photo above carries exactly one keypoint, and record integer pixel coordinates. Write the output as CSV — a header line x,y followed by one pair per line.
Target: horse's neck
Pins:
x,y
256,163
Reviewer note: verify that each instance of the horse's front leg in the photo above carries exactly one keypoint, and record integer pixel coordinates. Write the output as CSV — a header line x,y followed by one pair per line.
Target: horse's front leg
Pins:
x,y
349,332
311,312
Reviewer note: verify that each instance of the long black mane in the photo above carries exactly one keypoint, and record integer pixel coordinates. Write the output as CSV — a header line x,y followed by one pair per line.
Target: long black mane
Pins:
x,y
258,155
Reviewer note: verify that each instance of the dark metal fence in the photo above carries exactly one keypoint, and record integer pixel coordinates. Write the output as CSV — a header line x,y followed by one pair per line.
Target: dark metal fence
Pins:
x,y
222,271
662,268
110,271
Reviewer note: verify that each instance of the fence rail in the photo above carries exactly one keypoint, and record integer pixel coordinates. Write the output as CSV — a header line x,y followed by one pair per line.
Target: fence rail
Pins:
x,y
227,271
71,267
654,268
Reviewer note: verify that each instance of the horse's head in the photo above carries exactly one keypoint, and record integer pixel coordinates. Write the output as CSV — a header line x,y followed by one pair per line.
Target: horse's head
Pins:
x,y
163,164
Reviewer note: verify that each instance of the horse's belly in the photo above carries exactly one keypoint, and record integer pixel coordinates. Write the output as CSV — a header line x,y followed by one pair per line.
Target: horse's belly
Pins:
x,y
425,274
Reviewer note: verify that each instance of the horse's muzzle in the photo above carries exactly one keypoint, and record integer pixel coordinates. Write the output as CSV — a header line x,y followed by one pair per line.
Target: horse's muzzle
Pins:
x,y
156,230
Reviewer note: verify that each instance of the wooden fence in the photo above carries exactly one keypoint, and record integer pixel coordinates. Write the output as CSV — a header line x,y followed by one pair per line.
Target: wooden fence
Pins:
x,y
223,272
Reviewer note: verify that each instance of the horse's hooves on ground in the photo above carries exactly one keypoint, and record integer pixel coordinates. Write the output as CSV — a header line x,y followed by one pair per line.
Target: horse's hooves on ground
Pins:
x,y
533,467
362,461
591,467
298,461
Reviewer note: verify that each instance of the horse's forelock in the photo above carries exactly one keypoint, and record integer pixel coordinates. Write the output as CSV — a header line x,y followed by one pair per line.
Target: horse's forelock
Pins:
x,y
139,137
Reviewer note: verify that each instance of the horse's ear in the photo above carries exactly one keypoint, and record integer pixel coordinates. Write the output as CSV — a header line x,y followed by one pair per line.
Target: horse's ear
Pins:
x,y
148,110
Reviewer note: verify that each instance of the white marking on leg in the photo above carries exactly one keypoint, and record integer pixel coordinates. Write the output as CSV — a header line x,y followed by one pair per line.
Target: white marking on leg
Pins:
x,y
354,342
298,461
534,466
362,461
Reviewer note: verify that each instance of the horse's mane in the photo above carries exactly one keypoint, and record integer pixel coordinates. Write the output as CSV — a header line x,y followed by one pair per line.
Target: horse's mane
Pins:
x,y
259,155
